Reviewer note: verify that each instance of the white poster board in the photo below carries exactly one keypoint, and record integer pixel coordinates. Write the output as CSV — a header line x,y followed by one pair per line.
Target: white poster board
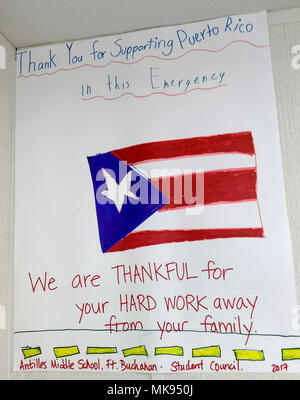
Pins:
x,y
200,289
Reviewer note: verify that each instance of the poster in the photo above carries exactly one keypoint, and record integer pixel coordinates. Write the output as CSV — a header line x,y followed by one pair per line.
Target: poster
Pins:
x,y
200,277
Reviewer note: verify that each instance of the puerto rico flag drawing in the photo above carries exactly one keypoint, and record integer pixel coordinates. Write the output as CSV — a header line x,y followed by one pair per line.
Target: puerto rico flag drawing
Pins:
x,y
228,201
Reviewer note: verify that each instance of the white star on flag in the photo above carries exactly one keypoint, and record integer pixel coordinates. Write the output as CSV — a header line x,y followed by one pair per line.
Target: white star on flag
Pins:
x,y
117,191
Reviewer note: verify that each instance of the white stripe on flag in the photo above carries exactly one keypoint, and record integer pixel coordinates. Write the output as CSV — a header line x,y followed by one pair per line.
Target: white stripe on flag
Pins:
x,y
232,215
207,163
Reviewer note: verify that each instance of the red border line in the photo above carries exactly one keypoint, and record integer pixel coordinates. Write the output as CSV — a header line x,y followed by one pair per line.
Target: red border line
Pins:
x,y
239,142
142,58
259,210
221,186
150,238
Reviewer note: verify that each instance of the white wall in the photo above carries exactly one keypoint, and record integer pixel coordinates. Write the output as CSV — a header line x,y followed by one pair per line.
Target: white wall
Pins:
x,y
283,38
7,92
60,21
283,35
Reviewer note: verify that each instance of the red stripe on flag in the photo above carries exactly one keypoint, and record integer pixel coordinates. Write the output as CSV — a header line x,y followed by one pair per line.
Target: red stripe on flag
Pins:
x,y
240,142
149,238
222,186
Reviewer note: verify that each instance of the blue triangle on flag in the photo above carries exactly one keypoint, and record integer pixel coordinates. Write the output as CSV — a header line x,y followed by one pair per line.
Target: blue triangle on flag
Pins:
x,y
124,198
